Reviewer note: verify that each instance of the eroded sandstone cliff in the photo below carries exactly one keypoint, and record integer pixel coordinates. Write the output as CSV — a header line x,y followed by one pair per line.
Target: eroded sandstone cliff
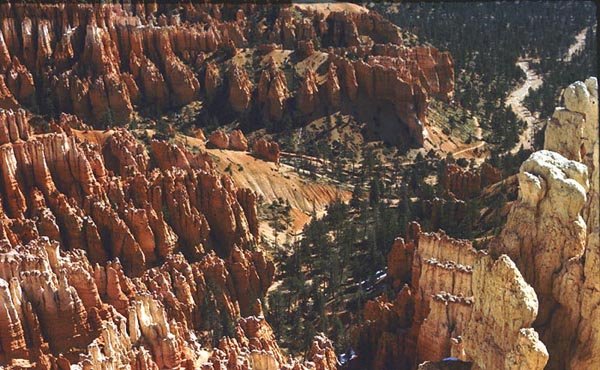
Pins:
x,y
531,300
451,301
468,183
552,231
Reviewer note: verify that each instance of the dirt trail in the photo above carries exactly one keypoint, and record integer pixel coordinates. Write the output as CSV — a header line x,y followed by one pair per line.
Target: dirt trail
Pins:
x,y
471,149
534,81
515,102
577,46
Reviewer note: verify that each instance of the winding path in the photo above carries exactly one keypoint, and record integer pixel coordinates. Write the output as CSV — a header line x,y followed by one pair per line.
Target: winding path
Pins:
x,y
577,46
534,81
515,102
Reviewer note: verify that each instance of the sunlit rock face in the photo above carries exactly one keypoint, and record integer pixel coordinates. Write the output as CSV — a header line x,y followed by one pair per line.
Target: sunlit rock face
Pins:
x,y
531,301
552,193
57,309
499,333
456,302
118,255
552,232
267,150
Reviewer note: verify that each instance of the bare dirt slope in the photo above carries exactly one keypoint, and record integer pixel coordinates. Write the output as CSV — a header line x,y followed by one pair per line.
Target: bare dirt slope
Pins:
x,y
326,8
273,181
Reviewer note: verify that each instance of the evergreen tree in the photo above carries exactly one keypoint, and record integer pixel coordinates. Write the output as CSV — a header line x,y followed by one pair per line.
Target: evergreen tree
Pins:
x,y
404,210
338,334
356,197
309,335
442,169
228,325
277,312
375,190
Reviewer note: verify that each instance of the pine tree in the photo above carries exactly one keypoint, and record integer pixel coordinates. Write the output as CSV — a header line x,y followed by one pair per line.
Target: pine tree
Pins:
x,y
441,173
375,190
338,334
309,335
404,210
277,312
356,197
227,323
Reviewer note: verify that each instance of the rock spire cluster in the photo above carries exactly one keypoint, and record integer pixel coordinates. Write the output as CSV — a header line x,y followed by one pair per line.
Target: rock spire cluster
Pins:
x,y
113,255
104,62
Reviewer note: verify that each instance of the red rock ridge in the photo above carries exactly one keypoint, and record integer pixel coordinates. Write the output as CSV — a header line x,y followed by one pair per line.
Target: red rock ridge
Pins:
x,y
466,184
235,140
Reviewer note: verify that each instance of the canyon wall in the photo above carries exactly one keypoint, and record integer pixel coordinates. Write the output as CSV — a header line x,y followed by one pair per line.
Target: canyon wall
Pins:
x,y
531,300
468,183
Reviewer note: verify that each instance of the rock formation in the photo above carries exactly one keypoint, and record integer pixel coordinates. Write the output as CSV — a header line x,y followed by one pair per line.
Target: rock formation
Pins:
x,y
498,334
447,304
97,317
552,231
332,87
465,183
267,150
118,253
113,255
308,94
103,63
219,139
254,347
237,141
273,91
212,79
443,210
240,88
483,308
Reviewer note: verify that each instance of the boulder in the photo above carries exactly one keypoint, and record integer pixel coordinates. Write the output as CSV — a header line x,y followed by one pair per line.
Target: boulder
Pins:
x,y
267,150
219,139
237,141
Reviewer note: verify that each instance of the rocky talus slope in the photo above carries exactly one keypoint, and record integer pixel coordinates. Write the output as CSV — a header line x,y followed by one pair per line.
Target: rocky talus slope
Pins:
x,y
113,255
530,301
103,62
